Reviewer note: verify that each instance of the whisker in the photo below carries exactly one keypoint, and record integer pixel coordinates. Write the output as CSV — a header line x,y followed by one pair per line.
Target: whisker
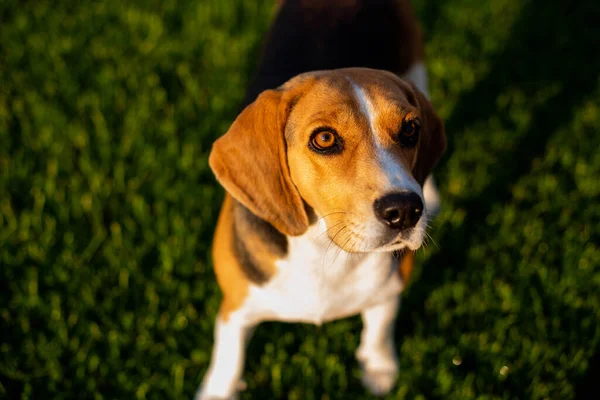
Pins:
x,y
331,213
330,242
328,229
348,254
360,246
341,248
327,249
353,253
432,240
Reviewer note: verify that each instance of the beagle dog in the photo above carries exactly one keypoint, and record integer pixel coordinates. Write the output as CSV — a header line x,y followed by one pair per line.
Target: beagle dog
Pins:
x,y
324,172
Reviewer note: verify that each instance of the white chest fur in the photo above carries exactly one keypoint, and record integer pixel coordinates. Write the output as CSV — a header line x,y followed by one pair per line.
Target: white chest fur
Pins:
x,y
319,282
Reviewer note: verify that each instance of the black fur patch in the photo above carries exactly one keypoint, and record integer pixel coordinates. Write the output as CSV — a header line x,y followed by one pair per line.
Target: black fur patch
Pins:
x,y
275,241
306,37
249,266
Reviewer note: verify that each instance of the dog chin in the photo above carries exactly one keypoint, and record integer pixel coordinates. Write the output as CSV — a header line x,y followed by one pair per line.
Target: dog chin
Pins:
x,y
399,244
388,248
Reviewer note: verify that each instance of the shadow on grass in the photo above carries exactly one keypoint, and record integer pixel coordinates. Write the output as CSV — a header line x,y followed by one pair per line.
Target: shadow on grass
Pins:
x,y
550,45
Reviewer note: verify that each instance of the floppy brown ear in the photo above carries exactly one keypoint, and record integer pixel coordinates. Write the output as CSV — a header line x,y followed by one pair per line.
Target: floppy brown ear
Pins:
x,y
250,161
432,143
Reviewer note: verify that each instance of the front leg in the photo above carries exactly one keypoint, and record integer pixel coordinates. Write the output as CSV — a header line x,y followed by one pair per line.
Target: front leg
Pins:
x,y
227,361
377,352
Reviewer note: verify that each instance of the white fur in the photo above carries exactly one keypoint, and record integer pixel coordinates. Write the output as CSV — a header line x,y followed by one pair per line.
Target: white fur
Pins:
x,y
315,283
227,360
432,197
365,104
417,74
397,177
318,281
376,353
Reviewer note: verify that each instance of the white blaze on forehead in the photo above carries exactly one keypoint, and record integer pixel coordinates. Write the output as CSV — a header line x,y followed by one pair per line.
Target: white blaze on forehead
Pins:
x,y
398,178
365,103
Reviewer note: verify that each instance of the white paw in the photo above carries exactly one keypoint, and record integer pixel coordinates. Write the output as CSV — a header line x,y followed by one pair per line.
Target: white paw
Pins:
x,y
203,394
379,368
379,382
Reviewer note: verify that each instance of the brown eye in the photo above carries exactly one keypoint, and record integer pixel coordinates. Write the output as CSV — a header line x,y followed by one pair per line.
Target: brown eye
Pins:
x,y
409,132
325,141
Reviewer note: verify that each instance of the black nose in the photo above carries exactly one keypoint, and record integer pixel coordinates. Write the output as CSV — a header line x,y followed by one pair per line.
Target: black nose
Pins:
x,y
399,210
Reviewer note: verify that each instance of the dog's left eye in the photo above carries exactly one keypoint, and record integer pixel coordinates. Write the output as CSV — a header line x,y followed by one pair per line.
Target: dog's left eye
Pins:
x,y
325,141
409,132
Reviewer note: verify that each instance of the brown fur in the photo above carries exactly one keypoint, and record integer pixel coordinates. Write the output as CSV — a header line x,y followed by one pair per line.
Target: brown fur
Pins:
x,y
250,162
406,265
433,145
230,276
263,162
262,242
330,185
257,244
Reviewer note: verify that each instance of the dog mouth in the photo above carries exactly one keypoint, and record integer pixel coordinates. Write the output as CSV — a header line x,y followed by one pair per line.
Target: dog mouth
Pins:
x,y
397,244
400,242
353,239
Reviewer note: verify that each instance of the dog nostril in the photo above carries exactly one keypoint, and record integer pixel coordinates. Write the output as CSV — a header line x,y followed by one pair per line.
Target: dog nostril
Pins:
x,y
393,216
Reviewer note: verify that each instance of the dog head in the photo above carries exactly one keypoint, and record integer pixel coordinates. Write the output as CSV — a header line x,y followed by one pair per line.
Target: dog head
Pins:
x,y
353,145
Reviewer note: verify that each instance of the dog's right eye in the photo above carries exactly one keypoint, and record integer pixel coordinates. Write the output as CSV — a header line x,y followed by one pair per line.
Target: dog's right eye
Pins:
x,y
325,141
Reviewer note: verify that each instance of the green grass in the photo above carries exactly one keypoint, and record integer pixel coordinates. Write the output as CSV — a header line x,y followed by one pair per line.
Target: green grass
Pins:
x,y
107,205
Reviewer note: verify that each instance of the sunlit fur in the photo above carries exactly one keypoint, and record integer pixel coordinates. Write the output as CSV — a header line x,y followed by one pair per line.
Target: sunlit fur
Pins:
x,y
367,110
338,261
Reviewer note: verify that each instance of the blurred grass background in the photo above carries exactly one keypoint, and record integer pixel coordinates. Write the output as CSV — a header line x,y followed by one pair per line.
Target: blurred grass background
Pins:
x,y
107,207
